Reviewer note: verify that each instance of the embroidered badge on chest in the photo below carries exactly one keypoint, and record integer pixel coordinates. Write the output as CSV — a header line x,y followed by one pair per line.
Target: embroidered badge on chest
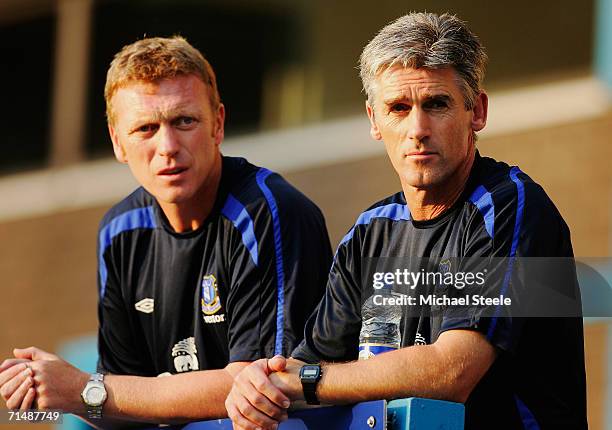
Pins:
x,y
210,301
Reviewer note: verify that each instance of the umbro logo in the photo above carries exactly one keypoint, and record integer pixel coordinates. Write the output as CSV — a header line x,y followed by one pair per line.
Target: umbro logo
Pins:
x,y
145,306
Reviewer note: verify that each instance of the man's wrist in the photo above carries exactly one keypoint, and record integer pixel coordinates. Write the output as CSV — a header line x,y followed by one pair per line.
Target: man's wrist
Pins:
x,y
297,392
289,383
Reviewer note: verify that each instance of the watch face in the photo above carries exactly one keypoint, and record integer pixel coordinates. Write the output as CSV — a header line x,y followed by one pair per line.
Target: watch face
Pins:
x,y
310,372
95,396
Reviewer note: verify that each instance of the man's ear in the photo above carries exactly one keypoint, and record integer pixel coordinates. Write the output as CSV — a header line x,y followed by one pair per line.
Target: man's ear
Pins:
x,y
219,129
374,130
481,107
120,154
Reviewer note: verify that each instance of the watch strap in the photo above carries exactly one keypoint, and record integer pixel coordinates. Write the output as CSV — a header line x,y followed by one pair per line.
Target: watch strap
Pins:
x,y
94,412
310,393
97,377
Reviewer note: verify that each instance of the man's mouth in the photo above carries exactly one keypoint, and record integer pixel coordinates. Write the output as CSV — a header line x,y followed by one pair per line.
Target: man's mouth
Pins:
x,y
417,155
172,171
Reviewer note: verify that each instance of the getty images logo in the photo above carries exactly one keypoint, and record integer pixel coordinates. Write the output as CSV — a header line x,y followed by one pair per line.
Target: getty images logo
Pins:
x,y
444,276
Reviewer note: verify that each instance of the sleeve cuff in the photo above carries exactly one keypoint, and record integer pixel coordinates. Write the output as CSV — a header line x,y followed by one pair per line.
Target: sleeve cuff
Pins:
x,y
499,332
304,353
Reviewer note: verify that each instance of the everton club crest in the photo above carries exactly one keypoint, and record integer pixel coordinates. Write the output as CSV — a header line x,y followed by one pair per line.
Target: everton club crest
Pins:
x,y
210,295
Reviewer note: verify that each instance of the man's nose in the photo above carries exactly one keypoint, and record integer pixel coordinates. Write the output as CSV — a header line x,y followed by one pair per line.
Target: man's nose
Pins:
x,y
168,141
419,127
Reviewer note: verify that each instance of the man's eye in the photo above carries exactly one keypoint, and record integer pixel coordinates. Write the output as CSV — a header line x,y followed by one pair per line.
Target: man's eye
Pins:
x,y
185,121
436,104
400,107
147,128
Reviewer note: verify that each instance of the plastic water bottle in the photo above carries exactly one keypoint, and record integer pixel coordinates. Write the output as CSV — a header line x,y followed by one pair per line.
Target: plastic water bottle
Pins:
x,y
380,325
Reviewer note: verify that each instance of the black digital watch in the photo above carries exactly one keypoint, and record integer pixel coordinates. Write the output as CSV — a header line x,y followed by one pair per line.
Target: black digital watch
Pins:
x,y
310,375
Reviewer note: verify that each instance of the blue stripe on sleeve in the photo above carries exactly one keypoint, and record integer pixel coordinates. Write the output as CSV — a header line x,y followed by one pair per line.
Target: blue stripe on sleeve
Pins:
x,y
520,188
130,220
393,211
483,201
529,421
238,215
261,177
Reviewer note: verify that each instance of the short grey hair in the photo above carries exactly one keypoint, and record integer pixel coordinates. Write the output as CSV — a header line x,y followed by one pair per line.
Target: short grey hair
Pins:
x,y
426,40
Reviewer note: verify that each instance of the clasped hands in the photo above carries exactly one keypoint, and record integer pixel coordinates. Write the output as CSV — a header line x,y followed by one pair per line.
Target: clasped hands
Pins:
x,y
39,379
262,392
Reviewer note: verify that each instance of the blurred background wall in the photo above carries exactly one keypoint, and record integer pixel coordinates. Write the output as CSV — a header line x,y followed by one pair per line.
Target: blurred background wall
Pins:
x,y
287,75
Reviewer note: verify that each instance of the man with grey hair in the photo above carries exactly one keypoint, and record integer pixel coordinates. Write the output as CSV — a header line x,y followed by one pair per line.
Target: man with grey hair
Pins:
x,y
423,78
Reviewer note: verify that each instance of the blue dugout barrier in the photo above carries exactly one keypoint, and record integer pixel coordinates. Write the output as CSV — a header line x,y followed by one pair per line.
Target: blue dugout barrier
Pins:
x,y
401,414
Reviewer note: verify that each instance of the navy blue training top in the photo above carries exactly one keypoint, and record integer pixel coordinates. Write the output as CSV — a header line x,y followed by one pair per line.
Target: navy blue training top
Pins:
x,y
238,288
538,378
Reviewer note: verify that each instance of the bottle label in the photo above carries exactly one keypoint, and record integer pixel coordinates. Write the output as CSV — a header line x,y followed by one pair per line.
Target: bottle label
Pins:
x,y
369,350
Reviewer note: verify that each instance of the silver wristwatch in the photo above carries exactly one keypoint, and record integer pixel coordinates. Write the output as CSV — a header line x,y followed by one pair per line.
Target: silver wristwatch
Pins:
x,y
94,395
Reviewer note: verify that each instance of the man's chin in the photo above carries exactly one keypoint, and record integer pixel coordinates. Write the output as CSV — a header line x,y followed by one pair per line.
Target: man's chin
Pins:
x,y
171,197
422,181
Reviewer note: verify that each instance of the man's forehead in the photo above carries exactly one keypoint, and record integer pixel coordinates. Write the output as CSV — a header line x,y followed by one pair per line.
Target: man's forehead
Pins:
x,y
180,83
164,110
160,97
398,80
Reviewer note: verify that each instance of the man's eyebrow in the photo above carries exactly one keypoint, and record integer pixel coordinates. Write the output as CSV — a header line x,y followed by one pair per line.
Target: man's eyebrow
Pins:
x,y
178,111
441,97
168,115
438,98
397,99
